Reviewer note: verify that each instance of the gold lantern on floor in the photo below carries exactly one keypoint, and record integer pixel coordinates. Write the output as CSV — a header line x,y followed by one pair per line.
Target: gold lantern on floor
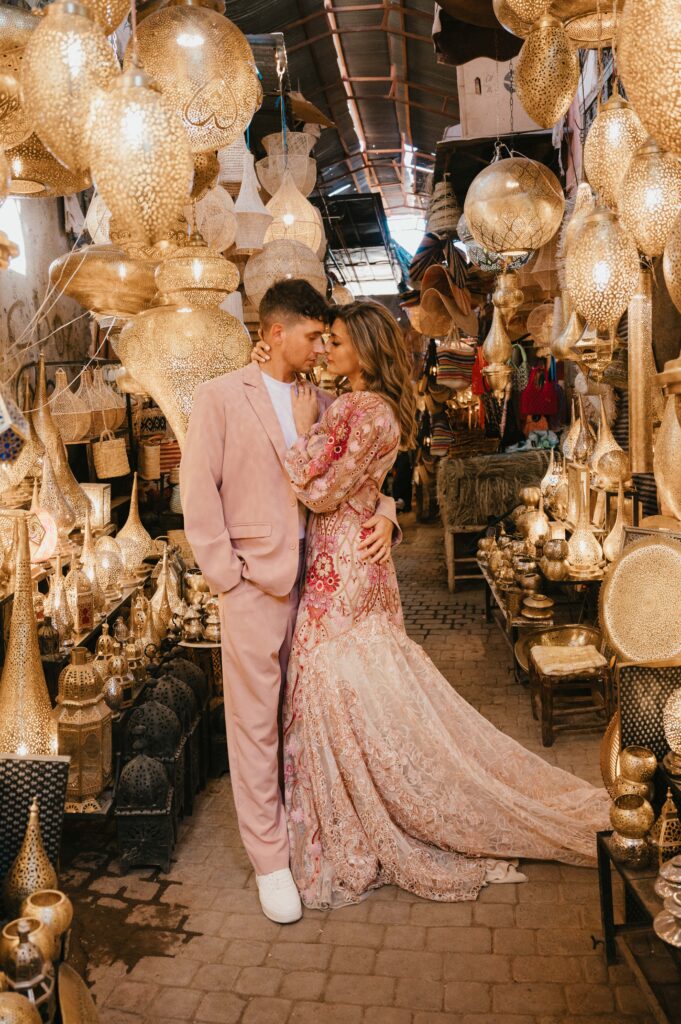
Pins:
x,y
602,269
205,68
547,72
25,709
84,730
140,158
514,205
67,59
613,138
650,197
648,55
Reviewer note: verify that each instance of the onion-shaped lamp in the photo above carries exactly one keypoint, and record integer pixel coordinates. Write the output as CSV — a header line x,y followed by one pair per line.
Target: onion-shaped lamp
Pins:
x,y
140,158
613,138
602,269
650,197
514,205
205,68
547,72
67,59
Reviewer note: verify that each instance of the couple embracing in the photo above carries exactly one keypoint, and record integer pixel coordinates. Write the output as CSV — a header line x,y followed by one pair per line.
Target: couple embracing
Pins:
x,y
389,776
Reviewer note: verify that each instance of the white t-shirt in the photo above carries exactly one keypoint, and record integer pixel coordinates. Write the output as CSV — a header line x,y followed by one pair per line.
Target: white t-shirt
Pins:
x,y
280,395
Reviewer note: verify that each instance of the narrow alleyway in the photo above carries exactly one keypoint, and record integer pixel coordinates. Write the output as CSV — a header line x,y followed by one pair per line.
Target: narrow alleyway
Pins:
x,y
193,945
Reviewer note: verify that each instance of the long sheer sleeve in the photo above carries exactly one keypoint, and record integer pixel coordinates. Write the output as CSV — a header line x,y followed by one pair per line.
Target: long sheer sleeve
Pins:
x,y
334,461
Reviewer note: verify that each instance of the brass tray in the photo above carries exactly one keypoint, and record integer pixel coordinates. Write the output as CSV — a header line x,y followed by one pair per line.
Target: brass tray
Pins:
x,y
75,1002
640,600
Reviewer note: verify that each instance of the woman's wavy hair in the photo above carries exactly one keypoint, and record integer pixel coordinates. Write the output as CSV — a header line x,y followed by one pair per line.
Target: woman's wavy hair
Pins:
x,y
384,358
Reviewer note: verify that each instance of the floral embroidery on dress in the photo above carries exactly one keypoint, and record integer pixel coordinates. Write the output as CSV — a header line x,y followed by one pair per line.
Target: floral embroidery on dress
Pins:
x,y
390,776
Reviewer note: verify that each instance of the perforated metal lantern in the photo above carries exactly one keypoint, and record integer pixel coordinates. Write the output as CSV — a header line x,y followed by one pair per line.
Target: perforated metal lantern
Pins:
x,y
514,205
205,69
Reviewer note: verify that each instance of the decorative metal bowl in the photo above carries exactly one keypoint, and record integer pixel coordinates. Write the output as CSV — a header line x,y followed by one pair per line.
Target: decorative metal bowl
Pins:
x,y
554,636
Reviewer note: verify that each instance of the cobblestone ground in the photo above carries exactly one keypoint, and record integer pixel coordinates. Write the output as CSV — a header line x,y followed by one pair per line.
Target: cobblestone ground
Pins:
x,y
192,945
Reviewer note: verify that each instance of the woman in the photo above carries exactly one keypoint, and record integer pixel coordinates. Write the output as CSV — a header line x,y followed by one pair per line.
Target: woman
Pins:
x,y
390,776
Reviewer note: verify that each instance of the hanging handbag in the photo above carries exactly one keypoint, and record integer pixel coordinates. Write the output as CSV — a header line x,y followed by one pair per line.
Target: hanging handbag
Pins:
x,y
520,374
539,398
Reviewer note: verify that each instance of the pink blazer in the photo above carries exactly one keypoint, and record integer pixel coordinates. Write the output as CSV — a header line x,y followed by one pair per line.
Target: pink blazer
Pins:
x,y
240,510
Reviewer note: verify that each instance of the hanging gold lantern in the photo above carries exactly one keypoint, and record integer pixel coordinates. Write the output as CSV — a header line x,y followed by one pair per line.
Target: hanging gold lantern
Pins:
x,y
671,263
204,66
602,269
35,172
613,138
280,261
105,279
25,708
252,216
139,156
294,216
547,73
514,205
84,731
650,197
15,125
196,275
108,13
190,345
67,59
648,51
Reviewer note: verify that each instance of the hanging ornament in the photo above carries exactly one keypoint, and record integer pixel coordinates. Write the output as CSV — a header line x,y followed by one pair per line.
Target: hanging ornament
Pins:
x,y
108,13
294,217
514,205
196,275
214,218
67,59
35,172
613,138
15,124
252,216
602,269
25,710
205,69
280,261
547,72
648,50
140,157
650,197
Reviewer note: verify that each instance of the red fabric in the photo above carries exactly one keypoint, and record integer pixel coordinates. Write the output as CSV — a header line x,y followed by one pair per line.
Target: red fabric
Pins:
x,y
540,397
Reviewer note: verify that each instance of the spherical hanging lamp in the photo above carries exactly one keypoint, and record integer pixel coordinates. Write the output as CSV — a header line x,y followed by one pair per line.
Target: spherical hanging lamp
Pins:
x,y
215,218
514,205
294,217
105,279
671,263
196,275
547,72
279,261
650,197
648,55
35,172
613,138
205,68
206,171
140,157
252,216
67,59
602,269
108,13
15,124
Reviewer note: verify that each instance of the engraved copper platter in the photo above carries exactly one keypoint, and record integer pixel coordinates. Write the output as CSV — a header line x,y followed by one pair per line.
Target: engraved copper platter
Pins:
x,y
640,601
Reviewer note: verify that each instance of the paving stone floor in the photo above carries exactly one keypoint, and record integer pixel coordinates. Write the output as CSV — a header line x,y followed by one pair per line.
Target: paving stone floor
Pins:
x,y
192,945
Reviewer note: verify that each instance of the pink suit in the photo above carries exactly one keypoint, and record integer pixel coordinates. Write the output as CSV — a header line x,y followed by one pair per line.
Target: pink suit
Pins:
x,y
242,521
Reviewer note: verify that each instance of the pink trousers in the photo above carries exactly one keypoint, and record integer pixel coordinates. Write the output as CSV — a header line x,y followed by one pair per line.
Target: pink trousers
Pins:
x,y
257,630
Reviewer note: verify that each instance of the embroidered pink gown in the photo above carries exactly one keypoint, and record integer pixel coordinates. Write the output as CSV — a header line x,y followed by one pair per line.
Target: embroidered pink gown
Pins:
x,y
390,776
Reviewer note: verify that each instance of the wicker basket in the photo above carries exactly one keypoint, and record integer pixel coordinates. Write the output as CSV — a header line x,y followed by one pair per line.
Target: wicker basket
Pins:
x,y
149,460
110,456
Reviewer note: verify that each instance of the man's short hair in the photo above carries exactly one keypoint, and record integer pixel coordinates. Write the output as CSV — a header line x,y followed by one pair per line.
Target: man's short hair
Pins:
x,y
293,299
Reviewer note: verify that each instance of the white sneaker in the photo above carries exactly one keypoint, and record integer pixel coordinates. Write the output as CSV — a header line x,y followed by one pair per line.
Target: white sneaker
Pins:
x,y
279,898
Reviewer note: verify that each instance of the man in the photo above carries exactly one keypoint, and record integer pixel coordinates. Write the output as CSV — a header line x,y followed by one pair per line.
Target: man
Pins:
x,y
247,531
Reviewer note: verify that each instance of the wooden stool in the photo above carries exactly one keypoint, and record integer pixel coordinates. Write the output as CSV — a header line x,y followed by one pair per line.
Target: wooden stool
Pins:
x,y
453,560
567,683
